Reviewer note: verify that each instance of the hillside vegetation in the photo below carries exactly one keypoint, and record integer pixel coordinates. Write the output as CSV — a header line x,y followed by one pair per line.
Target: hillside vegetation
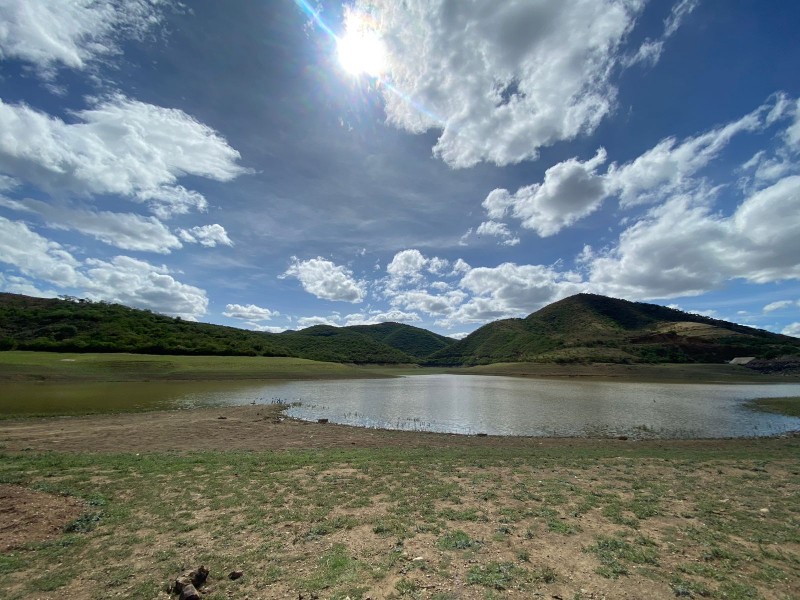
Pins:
x,y
588,327
70,325
579,329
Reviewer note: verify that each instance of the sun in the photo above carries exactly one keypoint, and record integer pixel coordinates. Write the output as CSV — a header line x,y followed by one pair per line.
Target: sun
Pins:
x,y
361,49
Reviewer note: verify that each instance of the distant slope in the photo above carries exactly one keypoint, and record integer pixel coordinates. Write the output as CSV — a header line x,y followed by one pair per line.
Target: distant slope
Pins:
x,y
406,338
589,327
81,326
341,344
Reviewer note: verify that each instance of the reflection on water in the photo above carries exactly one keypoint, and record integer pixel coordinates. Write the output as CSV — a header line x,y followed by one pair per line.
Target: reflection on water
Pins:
x,y
450,403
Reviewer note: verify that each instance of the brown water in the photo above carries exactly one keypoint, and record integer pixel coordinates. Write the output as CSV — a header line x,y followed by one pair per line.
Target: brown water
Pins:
x,y
449,403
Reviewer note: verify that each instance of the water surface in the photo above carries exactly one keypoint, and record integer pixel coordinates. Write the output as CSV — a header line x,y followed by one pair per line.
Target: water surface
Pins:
x,y
449,403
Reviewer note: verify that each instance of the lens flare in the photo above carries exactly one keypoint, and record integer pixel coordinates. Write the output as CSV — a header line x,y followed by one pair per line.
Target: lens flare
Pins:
x,y
361,49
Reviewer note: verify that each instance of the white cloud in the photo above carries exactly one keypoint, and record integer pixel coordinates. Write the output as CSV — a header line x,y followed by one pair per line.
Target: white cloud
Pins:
x,y
71,33
266,328
122,230
326,280
433,304
650,51
494,228
501,80
780,304
458,336
570,191
511,290
792,329
119,146
206,235
14,284
667,168
460,266
249,312
683,248
139,284
407,265
304,322
38,257
123,279
374,317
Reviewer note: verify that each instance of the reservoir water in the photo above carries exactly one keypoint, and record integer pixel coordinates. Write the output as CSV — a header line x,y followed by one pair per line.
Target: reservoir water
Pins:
x,y
450,403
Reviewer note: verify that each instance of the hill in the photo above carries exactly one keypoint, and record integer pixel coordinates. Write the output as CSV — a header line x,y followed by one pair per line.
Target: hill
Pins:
x,y
593,328
73,325
406,338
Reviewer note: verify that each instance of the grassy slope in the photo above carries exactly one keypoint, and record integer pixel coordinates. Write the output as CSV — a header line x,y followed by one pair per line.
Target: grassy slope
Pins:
x,y
593,328
55,366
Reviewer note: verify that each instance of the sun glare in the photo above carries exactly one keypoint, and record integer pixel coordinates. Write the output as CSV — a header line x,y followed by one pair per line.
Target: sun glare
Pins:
x,y
361,49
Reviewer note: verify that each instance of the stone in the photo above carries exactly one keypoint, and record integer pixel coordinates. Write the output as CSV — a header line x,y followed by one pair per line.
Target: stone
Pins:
x,y
189,593
180,583
199,576
234,575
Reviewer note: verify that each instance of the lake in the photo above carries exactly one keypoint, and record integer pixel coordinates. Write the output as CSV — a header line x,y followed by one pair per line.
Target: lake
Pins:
x,y
449,403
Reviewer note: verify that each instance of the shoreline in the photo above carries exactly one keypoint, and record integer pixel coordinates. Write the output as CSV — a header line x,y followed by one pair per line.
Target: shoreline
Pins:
x,y
266,428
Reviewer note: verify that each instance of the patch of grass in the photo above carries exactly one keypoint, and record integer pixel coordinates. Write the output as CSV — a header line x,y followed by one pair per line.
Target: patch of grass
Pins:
x,y
615,553
784,406
456,540
497,575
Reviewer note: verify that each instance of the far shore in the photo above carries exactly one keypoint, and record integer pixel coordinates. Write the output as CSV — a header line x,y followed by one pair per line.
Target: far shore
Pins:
x,y
59,367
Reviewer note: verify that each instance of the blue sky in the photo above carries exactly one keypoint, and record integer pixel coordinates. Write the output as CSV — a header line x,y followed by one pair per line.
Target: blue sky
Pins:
x,y
276,164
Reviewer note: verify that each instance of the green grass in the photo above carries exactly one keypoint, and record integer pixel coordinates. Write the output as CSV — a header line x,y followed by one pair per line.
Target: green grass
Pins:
x,y
337,523
61,366
784,406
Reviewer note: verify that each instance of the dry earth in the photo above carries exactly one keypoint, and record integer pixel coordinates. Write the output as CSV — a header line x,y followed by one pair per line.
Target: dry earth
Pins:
x,y
382,529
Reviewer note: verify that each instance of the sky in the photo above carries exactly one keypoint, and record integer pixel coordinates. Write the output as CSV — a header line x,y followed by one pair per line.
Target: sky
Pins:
x,y
276,164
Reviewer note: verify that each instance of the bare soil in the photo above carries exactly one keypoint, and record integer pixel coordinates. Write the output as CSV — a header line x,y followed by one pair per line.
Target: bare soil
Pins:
x,y
30,516
261,428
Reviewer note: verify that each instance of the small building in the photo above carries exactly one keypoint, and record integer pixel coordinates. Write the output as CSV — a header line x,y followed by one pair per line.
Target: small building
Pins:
x,y
742,360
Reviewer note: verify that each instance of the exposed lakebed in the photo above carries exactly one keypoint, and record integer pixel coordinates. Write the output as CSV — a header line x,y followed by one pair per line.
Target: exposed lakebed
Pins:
x,y
449,403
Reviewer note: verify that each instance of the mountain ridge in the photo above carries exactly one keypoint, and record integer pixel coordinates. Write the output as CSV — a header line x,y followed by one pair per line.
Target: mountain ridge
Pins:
x,y
580,328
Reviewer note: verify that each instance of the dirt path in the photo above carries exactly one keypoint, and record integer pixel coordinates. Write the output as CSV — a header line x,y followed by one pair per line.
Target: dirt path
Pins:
x,y
263,428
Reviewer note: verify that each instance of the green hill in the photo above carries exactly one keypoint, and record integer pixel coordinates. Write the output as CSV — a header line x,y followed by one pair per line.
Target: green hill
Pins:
x,y
592,328
406,338
82,326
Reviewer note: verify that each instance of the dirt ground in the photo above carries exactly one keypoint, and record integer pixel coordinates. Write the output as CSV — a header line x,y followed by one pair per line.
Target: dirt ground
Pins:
x,y
30,516
257,428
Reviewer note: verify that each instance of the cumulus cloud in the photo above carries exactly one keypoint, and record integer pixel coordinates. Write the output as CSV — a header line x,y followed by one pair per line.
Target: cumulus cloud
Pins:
x,y
668,167
14,284
304,322
570,191
326,280
122,230
409,267
501,80
683,248
374,317
249,312
792,329
118,146
51,33
122,279
137,283
206,235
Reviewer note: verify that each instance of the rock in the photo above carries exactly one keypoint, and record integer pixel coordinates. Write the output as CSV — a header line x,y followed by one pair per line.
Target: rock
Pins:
x,y
180,583
234,575
199,576
622,437
222,417
189,593
322,420
481,434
